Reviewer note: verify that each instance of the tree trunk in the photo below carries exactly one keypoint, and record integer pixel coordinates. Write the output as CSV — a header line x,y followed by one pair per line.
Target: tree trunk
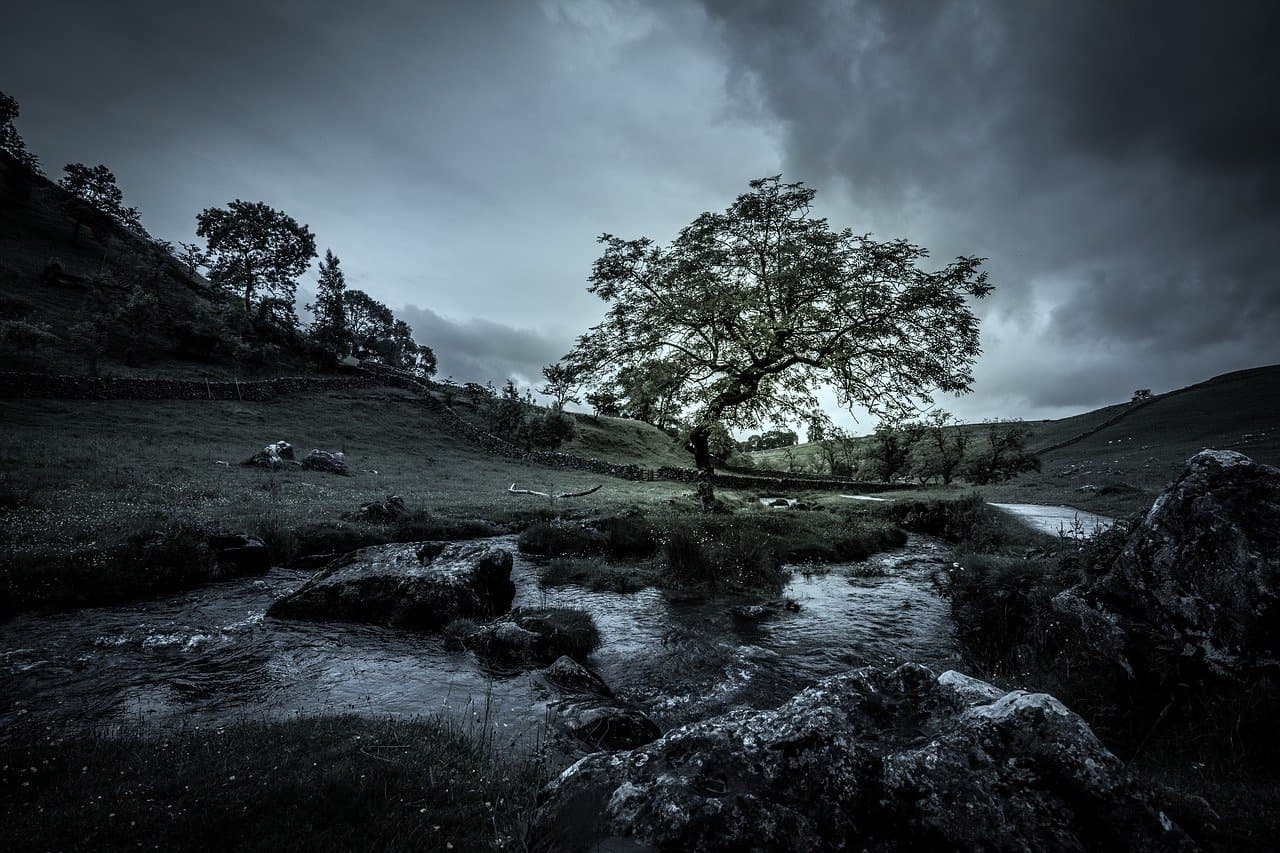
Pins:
x,y
699,443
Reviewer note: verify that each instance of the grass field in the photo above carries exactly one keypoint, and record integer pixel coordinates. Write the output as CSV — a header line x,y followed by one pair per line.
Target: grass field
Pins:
x,y
306,784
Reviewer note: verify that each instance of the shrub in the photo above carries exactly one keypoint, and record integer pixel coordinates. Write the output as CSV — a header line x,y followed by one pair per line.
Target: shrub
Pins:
x,y
716,552
968,522
565,630
559,539
423,527
628,535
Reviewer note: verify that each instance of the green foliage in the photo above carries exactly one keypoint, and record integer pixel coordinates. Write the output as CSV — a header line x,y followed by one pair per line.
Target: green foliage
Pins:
x,y
561,539
604,402
11,141
598,575
24,338
329,324
968,521
720,557
514,417
1002,454
750,335
253,248
939,449
771,439
561,385
567,630
93,192
374,332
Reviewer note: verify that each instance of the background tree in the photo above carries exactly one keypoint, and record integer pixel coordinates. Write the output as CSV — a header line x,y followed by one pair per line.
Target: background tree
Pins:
x,y
889,449
751,310
561,385
368,321
192,257
1001,454
253,249
837,452
940,450
604,402
11,141
95,194
817,429
329,312
650,393
24,338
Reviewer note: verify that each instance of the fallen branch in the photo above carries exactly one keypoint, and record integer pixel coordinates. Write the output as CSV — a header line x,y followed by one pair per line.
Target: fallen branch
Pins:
x,y
514,491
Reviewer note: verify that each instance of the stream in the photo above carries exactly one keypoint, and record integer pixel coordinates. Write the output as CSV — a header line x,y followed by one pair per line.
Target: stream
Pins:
x,y
210,656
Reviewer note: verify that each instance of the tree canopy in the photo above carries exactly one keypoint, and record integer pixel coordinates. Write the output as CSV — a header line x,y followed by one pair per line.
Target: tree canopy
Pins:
x,y
11,140
94,192
329,324
753,309
255,249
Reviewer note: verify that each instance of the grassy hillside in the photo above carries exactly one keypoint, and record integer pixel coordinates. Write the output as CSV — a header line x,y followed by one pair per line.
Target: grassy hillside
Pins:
x,y
1124,466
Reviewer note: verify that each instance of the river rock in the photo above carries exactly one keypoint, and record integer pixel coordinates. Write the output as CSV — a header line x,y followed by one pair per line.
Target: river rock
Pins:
x,y
387,511
323,460
876,759
534,635
1196,588
416,585
273,456
239,554
588,712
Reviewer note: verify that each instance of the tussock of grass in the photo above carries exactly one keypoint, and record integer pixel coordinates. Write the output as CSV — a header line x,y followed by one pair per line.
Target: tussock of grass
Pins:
x,y
598,574
561,539
319,783
567,630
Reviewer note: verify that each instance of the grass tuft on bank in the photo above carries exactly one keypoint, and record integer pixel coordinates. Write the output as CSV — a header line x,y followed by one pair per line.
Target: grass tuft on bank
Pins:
x,y
307,784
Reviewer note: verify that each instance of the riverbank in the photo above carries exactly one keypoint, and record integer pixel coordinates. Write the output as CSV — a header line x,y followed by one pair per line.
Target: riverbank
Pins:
x,y
311,783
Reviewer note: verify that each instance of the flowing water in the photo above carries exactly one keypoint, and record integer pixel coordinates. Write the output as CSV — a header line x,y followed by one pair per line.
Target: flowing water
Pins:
x,y
210,656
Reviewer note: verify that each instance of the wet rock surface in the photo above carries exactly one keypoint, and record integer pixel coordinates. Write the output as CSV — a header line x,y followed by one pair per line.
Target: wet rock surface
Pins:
x,y
587,711
416,585
1196,588
875,759
534,635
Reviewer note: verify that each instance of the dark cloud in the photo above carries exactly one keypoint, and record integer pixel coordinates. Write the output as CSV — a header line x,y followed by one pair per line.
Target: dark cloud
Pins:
x,y
1118,163
484,351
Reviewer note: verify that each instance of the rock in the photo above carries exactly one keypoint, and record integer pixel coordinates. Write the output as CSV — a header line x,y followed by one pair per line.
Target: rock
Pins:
x,y
272,456
589,713
876,759
1196,588
535,635
387,511
415,585
769,609
323,460
239,554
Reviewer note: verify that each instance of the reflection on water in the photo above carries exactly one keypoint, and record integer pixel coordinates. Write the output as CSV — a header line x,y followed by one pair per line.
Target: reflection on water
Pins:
x,y
210,656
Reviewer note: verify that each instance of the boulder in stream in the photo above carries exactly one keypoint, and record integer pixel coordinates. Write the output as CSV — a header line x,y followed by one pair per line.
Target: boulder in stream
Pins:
x,y
534,635
875,759
587,711
420,585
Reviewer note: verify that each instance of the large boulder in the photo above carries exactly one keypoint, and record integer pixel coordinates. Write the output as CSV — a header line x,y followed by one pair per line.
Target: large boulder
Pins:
x,y
588,713
1195,589
416,585
323,460
876,759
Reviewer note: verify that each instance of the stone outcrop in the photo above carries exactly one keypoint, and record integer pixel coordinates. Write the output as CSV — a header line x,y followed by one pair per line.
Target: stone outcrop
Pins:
x,y
415,585
386,511
323,460
876,759
534,635
275,455
1196,588
588,713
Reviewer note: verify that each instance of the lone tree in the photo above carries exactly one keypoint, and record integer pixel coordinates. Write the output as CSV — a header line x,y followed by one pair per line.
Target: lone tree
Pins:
x,y
756,307
254,248
329,326
561,385
95,194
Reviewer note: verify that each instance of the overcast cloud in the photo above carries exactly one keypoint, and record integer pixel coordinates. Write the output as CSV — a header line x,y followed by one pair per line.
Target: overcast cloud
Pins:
x,y
1115,162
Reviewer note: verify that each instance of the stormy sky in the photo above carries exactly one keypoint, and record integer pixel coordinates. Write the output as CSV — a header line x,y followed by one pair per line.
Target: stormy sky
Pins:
x,y
1117,163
